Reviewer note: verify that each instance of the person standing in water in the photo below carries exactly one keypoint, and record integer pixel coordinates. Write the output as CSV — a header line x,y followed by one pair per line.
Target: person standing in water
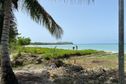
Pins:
x,y
73,47
76,47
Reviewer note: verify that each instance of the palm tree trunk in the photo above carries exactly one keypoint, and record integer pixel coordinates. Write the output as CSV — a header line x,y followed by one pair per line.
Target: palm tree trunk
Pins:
x,y
7,76
121,42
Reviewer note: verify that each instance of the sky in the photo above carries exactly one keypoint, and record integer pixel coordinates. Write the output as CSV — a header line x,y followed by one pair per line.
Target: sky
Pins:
x,y
84,23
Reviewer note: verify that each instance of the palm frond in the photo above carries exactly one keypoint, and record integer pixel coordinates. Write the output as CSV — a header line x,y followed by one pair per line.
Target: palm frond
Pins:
x,y
38,14
13,28
15,3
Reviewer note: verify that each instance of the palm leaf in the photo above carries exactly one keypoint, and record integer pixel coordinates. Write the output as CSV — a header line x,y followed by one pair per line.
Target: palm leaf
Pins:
x,y
38,14
15,3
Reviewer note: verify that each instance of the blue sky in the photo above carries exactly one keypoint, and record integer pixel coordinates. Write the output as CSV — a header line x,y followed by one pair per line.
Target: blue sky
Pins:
x,y
82,23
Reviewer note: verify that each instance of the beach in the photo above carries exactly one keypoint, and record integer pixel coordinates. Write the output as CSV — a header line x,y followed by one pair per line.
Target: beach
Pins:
x,y
109,47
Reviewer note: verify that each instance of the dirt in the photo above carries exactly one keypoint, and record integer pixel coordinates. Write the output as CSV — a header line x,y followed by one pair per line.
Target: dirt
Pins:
x,y
67,74
56,71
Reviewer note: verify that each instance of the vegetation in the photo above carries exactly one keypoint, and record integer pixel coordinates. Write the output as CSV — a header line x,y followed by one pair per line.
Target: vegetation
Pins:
x,y
49,53
88,59
56,43
97,65
107,61
39,16
23,41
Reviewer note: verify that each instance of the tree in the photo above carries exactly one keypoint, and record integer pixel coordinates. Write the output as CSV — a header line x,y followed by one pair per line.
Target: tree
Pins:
x,y
7,76
38,14
23,41
13,27
121,42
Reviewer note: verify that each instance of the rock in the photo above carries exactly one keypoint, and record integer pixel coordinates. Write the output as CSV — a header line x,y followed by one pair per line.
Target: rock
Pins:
x,y
26,59
79,81
114,80
33,78
74,68
55,63
38,60
45,74
64,80
18,62
92,82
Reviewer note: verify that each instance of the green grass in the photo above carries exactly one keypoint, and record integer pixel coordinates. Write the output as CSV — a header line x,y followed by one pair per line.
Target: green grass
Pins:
x,y
49,53
85,58
108,61
95,61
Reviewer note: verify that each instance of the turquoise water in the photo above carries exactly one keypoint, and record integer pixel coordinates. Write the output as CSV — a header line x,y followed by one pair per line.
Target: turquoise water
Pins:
x,y
105,47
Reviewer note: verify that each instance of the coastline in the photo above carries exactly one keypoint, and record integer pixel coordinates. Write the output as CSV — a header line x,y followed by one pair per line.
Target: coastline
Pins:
x,y
100,47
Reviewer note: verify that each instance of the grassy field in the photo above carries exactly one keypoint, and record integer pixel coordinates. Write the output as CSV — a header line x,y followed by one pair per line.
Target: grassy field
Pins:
x,y
49,53
92,66
96,61
91,59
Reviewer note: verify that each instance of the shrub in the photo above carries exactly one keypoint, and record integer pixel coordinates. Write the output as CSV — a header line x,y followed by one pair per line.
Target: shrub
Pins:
x,y
23,41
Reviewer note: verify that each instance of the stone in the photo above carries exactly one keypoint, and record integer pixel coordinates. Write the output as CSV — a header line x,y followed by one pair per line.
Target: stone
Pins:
x,y
64,80
45,74
55,63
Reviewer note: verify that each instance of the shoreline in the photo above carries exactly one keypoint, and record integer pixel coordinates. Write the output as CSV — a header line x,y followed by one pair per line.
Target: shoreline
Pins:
x,y
70,48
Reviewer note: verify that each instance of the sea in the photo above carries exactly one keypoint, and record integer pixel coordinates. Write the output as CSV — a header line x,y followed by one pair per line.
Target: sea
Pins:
x,y
108,47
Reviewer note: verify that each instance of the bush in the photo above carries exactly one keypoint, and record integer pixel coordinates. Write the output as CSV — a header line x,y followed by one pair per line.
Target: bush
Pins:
x,y
23,41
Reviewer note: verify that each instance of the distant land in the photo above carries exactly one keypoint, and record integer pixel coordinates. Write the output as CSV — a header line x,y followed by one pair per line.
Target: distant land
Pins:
x,y
54,43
